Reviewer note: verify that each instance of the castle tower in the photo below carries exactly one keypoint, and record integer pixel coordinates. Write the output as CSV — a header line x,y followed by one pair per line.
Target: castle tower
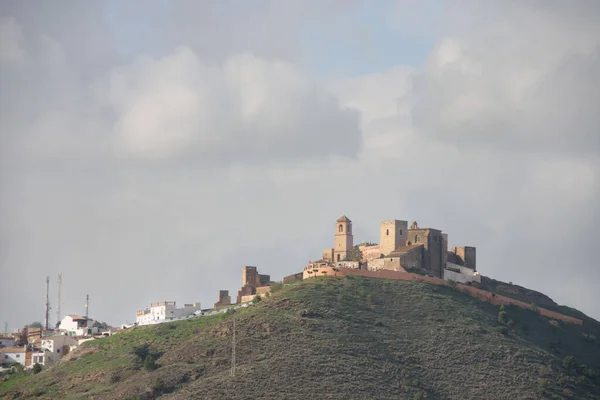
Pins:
x,y
392,235
343,241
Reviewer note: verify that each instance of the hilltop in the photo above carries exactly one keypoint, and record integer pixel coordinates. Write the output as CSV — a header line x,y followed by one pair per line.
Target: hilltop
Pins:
x,y
338,337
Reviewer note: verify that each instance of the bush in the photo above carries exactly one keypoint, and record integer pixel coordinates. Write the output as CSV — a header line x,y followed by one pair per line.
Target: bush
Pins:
x,y
37,368
502,329
534,308
276,287
256,299
588,337
569,363
149,363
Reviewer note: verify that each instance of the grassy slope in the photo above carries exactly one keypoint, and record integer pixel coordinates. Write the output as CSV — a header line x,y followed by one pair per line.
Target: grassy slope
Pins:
x,y
351,338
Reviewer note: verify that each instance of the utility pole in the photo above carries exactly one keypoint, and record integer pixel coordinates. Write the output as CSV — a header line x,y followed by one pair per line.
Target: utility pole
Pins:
x,y
58,299
233,351
47,316
5,328
87,304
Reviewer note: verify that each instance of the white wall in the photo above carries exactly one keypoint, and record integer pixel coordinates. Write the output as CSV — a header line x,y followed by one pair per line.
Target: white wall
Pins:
x,y
464,276
16,356
56,346
166,312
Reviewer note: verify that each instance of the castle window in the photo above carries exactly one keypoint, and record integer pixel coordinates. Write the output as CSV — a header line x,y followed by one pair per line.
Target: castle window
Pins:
x,y
341,228
417,239
400,231
387,232
338,257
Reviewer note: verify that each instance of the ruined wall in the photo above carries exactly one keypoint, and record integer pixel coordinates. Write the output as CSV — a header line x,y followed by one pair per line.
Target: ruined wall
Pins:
x,y
370,252
292,278
224,299
250,276
477,293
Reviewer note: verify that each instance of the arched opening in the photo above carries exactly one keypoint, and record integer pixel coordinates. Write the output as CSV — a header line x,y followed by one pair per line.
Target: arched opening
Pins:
x,y
417,239
338,257
400,231
387,232
341,228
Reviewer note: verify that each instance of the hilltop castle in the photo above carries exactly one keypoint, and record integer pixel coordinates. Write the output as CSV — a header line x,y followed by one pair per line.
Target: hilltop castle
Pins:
x,y
400,248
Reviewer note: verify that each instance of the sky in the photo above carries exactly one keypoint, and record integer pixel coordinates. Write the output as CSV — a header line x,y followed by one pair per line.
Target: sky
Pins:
x,y
151,149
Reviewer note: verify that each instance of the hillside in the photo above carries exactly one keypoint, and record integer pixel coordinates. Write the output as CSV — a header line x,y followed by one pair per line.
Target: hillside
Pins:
x,y
333,338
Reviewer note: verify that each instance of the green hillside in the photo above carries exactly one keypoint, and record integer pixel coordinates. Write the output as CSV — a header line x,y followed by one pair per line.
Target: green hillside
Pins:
x,y
337,338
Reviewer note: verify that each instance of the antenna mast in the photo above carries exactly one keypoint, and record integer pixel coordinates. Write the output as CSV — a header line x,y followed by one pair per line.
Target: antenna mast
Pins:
x,y
47,316
87,304
5,328
58,299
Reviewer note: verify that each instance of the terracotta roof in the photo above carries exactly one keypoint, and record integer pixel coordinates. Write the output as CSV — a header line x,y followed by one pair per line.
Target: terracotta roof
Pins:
x,y
343,218
13,350
406,249
76,317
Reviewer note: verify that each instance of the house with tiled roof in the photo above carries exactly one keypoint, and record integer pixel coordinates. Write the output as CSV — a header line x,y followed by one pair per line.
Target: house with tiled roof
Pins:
x,y
14,354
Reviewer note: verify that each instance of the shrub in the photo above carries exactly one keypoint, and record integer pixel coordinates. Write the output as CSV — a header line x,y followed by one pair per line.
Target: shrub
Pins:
x,y
37,368
149,363
534,308
502,329
276,287
588,337
569,363
256,299
504,319
267,294
158,385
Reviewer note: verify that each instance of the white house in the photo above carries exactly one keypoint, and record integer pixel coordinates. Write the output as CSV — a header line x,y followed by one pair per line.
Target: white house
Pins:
x,y
11,355
38,357
162,311
75,325
57,346
7,341
461,274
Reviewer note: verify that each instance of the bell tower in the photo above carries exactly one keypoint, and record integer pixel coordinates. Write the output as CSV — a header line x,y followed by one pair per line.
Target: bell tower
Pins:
x,y
343,240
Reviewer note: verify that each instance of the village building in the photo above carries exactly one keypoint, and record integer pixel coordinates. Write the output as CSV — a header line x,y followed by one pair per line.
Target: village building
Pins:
x,y
11,355
75,325
55,347
7,341
162,311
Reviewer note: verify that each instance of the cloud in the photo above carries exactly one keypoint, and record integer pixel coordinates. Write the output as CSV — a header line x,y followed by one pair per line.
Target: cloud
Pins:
x,y
237,111
154,166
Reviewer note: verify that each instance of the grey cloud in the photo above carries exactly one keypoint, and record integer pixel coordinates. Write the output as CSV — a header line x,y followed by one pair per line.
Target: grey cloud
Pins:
x,y
290,156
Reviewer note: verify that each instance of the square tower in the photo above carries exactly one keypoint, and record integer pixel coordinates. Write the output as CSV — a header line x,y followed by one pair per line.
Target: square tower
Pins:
x,y
392,235
343,240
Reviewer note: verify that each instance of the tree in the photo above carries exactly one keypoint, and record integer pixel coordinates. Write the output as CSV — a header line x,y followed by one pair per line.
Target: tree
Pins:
x,y
35,324
37,368
354,255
